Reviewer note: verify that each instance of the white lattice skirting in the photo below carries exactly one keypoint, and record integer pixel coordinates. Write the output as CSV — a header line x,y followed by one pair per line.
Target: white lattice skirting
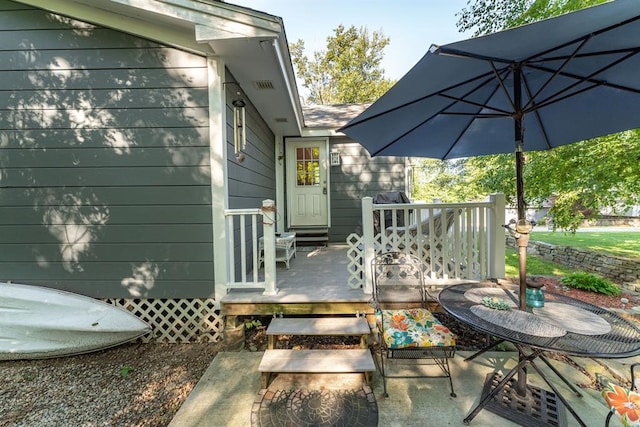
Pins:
x,y
176,320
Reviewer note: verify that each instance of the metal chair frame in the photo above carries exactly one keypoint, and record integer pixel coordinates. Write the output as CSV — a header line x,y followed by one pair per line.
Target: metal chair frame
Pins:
x,y
398,282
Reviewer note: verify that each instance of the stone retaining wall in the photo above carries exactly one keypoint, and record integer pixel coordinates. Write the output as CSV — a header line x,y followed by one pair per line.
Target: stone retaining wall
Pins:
x,y
622,271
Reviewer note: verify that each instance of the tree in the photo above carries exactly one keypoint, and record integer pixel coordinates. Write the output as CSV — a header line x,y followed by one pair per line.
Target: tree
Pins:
x,y
581,178
488,16
348,71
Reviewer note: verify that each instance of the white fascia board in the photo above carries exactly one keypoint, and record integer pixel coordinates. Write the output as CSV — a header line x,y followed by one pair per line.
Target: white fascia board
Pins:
x,y
173,36
196,21
234,20
205,34
320,132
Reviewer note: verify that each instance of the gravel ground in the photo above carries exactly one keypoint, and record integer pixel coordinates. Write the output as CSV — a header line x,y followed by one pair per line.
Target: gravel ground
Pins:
x,y
145,384
129,385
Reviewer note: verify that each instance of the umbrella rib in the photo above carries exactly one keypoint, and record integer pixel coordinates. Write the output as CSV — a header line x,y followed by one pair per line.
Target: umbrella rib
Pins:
x,y
536,114
461,99
583,79
555,73
441,111
589,78
422,98
587,36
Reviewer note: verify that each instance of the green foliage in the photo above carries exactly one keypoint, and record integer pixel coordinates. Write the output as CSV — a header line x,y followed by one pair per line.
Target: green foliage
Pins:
x,y
488,16
348,71
252,323
125,371
580,179
590,282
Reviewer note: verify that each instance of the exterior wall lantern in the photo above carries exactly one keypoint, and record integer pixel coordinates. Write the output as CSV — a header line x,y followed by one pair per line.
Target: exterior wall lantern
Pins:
x,y
335,158
239,128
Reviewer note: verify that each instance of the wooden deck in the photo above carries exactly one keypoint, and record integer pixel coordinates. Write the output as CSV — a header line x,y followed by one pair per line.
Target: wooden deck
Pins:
x,y
315,283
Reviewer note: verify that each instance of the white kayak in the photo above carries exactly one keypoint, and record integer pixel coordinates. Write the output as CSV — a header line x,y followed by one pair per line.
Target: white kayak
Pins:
x,y
38,322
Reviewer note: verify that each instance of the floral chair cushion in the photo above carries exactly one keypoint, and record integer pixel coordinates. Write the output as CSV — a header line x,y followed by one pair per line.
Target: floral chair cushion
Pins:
x,y
413,328
624,403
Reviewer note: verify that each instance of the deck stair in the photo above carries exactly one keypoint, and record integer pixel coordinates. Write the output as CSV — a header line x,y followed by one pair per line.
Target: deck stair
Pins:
x,y
311,236
277,361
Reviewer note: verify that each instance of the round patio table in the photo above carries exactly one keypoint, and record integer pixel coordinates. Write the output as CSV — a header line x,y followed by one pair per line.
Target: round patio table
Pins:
x,y
564,325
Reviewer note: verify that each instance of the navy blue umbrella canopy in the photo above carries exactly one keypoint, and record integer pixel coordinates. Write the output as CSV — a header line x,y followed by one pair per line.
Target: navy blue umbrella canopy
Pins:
x,y
550,83
535,87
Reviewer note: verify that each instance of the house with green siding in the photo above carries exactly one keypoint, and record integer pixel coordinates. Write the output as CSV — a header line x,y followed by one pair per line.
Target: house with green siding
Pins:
x,y
128,129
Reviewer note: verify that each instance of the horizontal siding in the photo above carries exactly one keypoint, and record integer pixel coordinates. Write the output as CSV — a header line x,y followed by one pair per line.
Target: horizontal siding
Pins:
x,y
69,215
253,180
111,271
107,176
98,59
358,175
110,196
113,78
114,233
53,38
95,157
55,117
101,98
120,141
106,170
97,253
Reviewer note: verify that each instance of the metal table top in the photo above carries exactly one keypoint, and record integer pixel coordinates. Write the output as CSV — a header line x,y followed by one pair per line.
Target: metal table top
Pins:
x,y
564,325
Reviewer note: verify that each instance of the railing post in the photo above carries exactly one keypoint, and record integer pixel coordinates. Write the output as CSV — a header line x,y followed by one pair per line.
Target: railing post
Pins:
x,y
496,236
368,240
268,212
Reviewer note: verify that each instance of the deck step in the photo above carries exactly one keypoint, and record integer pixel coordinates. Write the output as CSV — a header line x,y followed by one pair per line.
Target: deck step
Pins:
x,y
328,326
312,236
334,361
317,361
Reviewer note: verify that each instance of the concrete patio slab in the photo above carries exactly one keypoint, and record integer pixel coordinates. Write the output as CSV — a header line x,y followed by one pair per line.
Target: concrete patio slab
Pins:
x,y
225,394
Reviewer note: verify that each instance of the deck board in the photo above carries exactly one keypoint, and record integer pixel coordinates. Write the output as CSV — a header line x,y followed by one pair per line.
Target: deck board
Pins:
x,y
317,361
341,326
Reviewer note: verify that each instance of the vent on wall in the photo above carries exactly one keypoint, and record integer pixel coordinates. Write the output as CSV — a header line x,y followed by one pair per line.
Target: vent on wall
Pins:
x,y
264,84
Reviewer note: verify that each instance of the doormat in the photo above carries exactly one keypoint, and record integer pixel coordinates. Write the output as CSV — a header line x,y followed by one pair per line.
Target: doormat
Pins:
x,y
298,408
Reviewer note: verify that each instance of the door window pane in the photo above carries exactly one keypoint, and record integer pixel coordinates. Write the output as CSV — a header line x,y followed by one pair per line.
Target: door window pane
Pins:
x,y
308,166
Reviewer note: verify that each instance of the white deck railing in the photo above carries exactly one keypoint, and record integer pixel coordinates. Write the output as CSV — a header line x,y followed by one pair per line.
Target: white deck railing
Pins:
x,y
454,240
243,233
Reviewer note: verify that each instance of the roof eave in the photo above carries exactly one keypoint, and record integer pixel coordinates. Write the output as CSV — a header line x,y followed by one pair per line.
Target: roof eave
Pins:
x,y
241,37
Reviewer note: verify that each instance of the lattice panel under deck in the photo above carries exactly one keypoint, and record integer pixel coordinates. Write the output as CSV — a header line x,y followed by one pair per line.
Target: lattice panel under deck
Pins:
x,y
176,320
356,261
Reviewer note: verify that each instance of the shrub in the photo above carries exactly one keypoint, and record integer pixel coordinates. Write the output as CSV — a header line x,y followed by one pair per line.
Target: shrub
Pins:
x,y
590,282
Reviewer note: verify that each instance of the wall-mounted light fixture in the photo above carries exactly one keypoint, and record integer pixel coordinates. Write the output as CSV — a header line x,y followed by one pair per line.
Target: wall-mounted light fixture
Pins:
x,y
335,158
239,129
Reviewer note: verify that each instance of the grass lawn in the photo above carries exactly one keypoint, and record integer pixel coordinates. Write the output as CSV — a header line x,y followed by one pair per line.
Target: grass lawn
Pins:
x,y
535,266
619,243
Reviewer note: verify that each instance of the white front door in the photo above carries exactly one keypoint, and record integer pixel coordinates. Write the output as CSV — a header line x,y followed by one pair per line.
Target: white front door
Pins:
x,y
307,183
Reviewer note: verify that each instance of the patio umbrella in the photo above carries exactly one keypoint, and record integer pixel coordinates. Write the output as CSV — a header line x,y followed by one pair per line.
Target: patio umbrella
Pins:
x,y
534,87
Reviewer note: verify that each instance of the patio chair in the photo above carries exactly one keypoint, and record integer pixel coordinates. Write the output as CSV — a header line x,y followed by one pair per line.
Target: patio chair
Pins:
x,y
407,332
624,402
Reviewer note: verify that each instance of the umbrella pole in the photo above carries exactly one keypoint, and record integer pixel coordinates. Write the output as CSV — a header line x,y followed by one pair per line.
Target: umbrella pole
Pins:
x,y
523,238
